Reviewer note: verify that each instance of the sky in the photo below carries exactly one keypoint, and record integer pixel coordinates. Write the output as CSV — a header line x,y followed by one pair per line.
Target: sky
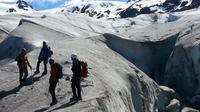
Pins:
x,y
44,4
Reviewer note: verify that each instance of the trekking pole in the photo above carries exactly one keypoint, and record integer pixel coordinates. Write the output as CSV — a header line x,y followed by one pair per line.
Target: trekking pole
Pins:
x,y
82,91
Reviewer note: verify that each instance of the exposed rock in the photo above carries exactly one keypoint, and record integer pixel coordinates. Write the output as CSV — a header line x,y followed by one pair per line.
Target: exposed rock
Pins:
x,y
171,5
83,10
129,12
145,10
76,9
11,10
23,5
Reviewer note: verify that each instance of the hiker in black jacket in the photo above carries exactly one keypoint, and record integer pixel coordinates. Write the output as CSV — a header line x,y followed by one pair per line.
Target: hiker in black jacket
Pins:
x,y
75,85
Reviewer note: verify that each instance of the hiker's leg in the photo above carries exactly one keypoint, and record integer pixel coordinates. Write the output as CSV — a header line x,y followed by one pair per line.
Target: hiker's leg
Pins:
x,y
52,90
25,70
38,65
78,86
20,75
45,66
73,88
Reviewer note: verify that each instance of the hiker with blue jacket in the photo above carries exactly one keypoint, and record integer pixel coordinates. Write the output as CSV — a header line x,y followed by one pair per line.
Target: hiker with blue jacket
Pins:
x,y
45,53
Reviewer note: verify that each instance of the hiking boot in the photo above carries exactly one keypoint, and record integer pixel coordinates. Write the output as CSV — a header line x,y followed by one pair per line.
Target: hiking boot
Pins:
x,y
36,72
73,98
24,82
21,84
44,73
53,103
79,98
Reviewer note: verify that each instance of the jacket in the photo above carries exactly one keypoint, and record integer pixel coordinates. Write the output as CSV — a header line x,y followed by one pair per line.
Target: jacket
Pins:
x,y
45,53
76,69
54,72
22,61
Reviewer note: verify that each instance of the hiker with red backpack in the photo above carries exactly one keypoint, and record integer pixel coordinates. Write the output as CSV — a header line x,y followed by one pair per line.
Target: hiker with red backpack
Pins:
x,y
56,73
76,78
22,62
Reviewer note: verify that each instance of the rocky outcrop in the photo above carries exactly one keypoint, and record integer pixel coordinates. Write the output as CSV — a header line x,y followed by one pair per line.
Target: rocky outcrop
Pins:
x,y
129,12
178,5
129,9
22,5
11,10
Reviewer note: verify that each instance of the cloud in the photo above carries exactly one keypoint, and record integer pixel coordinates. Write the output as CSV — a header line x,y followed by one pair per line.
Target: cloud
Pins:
x,y
8,1
38,1
44,1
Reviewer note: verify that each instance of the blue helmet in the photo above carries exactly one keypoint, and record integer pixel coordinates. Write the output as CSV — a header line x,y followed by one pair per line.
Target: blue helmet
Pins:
x,y
51,60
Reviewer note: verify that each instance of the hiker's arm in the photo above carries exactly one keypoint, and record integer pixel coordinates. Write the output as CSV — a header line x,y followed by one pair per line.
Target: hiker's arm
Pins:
x,y
41,53
17,58
29,63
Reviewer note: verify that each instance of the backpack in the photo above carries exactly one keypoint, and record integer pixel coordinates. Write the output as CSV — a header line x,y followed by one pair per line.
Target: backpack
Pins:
x,y
84,71
50,52
60,73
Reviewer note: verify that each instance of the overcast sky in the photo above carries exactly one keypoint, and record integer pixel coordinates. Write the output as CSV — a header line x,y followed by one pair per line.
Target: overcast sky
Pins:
x,y
45,4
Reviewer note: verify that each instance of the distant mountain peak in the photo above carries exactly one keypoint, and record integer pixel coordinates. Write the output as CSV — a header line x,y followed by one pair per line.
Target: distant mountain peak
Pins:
x,y
23,5
19,6
131,8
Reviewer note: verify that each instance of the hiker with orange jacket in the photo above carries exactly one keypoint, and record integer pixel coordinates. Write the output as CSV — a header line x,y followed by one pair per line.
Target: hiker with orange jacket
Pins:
x,y
22,62
56,71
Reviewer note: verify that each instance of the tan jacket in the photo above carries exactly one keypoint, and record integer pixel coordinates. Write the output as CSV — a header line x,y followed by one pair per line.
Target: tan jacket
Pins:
x,y
22,61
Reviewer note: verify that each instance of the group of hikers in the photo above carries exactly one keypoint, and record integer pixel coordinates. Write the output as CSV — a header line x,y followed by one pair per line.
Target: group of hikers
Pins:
x,y
55,72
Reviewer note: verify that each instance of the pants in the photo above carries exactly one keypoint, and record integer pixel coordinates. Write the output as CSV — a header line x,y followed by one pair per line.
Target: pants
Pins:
x,y
22,72
76,85
45,64
52,87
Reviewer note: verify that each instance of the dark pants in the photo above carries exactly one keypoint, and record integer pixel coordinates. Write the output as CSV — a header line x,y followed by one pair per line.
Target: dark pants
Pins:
x,y
45,61
22,72
76,84
52,87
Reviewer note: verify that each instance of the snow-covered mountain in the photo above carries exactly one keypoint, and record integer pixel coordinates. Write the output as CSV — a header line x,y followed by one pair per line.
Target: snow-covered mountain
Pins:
x,y
113,9
128,58
19,6
123,57
97,9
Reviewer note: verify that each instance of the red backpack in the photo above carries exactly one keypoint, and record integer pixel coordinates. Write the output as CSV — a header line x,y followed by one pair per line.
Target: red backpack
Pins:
x,y
84,72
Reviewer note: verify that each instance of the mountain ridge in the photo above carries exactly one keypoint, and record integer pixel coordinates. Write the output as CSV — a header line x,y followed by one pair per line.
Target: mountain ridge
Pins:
x,y
19,6
110,9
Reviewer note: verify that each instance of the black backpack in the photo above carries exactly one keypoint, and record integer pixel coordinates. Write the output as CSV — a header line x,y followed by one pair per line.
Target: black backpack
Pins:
x,y
60,73
50,51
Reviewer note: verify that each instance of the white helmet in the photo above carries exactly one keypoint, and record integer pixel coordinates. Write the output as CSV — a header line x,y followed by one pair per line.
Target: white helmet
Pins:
x,y
74,56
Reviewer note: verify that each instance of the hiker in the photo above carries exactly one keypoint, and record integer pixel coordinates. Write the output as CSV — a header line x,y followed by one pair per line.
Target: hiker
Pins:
x,y
56,69
22,62
76,78
45,53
